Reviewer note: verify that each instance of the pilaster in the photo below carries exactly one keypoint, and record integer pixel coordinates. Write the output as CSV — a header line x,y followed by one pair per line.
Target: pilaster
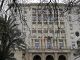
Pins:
x,y
43,56
30,57
55,56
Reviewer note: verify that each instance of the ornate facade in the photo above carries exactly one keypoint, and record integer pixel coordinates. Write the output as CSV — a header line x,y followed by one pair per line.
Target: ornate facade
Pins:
x,y
51,39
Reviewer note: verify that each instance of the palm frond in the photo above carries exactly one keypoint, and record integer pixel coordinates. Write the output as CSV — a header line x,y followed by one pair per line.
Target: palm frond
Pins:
x,y
10,37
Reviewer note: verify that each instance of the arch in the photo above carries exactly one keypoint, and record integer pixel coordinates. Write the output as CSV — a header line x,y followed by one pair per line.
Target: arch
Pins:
x,y
62,57
36,57
49,57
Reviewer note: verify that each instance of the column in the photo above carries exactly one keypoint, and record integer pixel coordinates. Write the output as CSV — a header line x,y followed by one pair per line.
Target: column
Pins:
x,y
55,56
70,56
43,56
27,56
43,44
52,43
56,44
30,56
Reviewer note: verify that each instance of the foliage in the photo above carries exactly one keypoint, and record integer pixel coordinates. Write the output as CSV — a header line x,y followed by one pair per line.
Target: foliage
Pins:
x,y
10,37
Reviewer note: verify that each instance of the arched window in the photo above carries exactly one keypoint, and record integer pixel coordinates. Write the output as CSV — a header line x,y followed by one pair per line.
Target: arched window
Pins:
x,y
37,57
49,57
62,57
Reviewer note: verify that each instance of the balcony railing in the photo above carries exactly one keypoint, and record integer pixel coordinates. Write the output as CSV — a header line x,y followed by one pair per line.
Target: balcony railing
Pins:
x,y
49,49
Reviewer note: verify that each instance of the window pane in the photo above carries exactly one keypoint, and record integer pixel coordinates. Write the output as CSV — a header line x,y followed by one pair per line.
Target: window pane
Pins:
x,y
44,11
45,22
33,18
45,17
61,45
39,17
39,22
39,11
36,43
37,40
33,10
33,22
33,31
51,31
45,31
50,17
39,31
49,45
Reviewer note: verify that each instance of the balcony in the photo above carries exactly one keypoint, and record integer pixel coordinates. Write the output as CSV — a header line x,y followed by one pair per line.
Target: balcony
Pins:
x,y
38,50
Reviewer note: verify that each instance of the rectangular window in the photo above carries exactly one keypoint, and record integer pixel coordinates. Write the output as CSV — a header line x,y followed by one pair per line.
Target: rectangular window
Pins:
x,y
33,18
33,22
50,22
34,14
50,10
71,25
39,17
45,17
71,28
45,31
44,11
56,22
51,31
73,44
61,44
61,22
25,12
57,31
39,31
61,14
50,17
37,43
62,31
34,36
49,45
39,22
33,10
39,11
45,22
33,31
70,18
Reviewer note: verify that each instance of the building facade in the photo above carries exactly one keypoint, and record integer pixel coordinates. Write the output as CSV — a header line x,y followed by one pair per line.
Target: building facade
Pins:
x,y
51,39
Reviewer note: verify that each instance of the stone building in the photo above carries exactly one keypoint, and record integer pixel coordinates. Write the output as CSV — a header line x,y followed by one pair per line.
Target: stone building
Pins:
x,y
51,39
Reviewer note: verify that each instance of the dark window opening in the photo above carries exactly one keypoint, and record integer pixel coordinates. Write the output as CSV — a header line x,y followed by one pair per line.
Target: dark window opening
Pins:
x,y
62,57
77,34
49,57
37,57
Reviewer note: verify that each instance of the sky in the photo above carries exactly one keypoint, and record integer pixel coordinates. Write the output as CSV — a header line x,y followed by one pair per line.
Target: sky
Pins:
x,y
35,1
